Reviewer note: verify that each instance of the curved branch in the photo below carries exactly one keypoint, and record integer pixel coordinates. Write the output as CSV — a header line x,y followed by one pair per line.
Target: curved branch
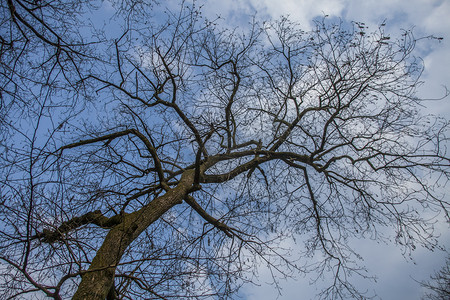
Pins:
x,y
95,217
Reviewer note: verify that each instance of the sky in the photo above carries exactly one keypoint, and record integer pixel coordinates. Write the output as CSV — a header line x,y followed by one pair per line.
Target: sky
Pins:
x,y
397,276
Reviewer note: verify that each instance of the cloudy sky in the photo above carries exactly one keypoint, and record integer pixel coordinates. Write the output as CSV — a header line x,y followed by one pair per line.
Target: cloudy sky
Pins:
x,y
397,276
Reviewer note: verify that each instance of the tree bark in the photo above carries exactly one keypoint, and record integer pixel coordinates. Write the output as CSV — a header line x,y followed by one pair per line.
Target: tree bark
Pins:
x,y
97,281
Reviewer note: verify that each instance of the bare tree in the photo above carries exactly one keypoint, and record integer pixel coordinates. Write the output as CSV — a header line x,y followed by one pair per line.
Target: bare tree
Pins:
x,y
439,286
170,157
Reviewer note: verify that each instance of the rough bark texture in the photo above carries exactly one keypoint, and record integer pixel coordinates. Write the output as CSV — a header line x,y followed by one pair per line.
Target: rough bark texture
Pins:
x,y
97,281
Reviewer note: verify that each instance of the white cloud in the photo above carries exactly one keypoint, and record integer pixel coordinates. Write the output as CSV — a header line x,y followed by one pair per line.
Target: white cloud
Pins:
x,y
237,12
437,19
300,10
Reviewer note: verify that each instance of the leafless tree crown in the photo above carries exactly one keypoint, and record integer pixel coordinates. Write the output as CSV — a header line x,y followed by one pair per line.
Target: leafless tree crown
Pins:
x,y
152,154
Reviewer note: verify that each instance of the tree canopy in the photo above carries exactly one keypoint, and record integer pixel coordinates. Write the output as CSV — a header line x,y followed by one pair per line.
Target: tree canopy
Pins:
x,y
439,285
159,155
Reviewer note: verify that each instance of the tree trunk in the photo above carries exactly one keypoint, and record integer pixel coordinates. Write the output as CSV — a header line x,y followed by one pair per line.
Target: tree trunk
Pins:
x,y
97,281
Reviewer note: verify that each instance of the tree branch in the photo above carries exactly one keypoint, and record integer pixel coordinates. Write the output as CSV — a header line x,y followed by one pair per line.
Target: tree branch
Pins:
x,y
210,219
95,217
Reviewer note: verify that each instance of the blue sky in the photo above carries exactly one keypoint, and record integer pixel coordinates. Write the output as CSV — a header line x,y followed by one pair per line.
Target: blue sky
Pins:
x,y
397,275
